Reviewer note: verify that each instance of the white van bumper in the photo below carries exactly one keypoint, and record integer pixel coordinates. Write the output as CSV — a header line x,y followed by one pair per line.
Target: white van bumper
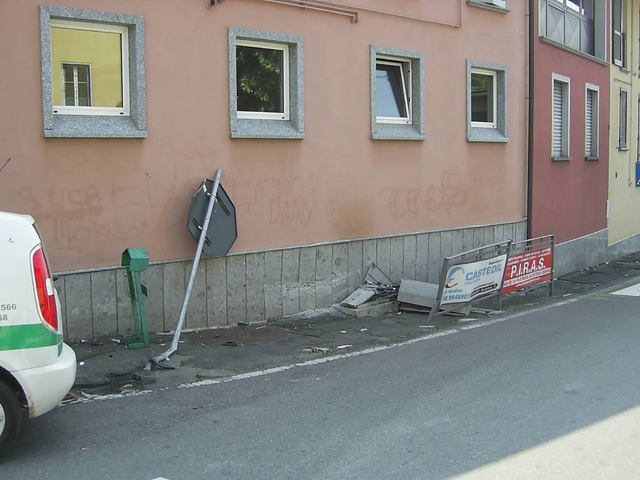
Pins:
x,y
45,387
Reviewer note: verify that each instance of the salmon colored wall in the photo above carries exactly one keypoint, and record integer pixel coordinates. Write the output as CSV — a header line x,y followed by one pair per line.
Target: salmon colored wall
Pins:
x,y
92,198
570,197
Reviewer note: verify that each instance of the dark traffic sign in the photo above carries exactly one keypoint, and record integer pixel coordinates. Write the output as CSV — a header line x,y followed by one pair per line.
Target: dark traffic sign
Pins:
x,y
223,229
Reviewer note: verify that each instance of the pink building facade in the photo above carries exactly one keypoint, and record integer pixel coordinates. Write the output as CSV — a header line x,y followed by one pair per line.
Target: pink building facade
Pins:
x,y
348,132
570,129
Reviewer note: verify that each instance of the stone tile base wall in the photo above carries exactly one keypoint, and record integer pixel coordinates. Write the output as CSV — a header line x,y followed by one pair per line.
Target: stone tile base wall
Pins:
x,y
259,286
591,250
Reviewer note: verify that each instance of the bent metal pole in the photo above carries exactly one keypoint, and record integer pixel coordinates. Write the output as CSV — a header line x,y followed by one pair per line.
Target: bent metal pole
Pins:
x,y
203,235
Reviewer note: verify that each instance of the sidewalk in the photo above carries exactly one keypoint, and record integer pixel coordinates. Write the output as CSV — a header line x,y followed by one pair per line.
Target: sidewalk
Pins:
x,y
106,366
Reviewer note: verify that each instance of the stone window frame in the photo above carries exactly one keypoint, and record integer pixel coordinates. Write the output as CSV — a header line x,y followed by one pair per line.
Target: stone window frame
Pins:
x,y
293,128
498,134
400,131
95,126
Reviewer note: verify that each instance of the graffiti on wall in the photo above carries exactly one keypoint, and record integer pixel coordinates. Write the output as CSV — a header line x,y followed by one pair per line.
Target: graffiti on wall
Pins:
x,y
282,200
79,216
445,196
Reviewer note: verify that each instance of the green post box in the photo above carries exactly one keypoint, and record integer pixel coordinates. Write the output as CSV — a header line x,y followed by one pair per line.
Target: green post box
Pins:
x,y
136,260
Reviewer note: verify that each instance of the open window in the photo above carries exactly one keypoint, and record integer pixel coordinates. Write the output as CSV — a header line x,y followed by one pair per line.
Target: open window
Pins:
x,y
397,99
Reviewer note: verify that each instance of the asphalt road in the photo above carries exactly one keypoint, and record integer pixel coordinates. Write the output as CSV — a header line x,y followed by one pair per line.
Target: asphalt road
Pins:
x,y
553,393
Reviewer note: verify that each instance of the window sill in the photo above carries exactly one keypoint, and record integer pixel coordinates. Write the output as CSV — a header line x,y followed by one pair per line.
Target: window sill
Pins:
x,y
474,3
487,135
623,149
561,159
277,129
591,158
391,131
86,126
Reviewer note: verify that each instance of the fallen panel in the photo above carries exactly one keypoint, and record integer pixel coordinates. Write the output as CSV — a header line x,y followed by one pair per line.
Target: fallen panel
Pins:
x,y
359,297
424,295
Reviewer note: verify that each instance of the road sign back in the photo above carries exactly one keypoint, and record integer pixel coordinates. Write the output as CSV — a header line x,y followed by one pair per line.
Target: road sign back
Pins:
x,y
223,229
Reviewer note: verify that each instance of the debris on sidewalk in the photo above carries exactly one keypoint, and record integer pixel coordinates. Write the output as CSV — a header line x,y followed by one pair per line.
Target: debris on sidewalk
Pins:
x,y
420,297
379,295
323,350
377,291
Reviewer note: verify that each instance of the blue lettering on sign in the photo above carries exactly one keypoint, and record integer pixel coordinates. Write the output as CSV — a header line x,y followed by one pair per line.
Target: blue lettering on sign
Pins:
x,y
637,174
473,276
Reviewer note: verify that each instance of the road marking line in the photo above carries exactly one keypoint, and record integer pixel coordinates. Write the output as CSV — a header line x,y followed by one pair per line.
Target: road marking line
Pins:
x,y
367,351
632,291
319,361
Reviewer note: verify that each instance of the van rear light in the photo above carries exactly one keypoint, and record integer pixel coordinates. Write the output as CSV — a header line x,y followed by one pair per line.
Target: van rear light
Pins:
x,y
44,289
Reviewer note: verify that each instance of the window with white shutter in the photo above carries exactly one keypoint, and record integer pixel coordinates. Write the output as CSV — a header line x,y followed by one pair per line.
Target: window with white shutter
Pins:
x,y
622,123
591,122
560,118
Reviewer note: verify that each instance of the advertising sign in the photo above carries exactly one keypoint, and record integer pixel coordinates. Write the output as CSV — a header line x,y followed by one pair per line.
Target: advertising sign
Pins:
x,y
526,269
467,281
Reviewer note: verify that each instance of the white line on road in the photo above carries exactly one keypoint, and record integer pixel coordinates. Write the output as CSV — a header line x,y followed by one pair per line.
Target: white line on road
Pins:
x,y
632,291
367,351
318,361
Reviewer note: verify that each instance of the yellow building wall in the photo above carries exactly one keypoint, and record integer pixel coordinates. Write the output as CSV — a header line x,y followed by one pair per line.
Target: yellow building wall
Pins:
x,y
102,50
624,196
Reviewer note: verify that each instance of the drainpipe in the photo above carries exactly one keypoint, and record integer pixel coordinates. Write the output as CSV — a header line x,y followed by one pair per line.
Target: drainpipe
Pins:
x,y
532,37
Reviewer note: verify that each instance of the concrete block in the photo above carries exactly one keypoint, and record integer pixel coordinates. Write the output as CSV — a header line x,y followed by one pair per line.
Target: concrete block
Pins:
x,y
384,255
339,289
446,243
521,230
456,242
488,235
355,273
103,303
273,284
409,257
396,263
255,288
324,276
123,303
174,290
78,306
498,233
216,291
307,281
197,308
153,302
290,281
422,257
236,290
478,237
369,254
467,239
435,258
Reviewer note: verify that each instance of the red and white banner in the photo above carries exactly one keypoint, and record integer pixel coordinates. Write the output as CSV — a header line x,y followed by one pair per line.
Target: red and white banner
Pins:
x,y
526,269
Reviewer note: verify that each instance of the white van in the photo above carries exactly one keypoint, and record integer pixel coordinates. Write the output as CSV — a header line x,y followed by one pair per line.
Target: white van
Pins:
x,y
37,369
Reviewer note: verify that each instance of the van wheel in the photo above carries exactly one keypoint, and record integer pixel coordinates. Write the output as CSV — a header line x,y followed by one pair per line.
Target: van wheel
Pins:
x,y
11,416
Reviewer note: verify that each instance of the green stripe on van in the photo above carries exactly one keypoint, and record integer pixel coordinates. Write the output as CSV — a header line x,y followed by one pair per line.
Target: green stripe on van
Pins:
x,y
16,337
